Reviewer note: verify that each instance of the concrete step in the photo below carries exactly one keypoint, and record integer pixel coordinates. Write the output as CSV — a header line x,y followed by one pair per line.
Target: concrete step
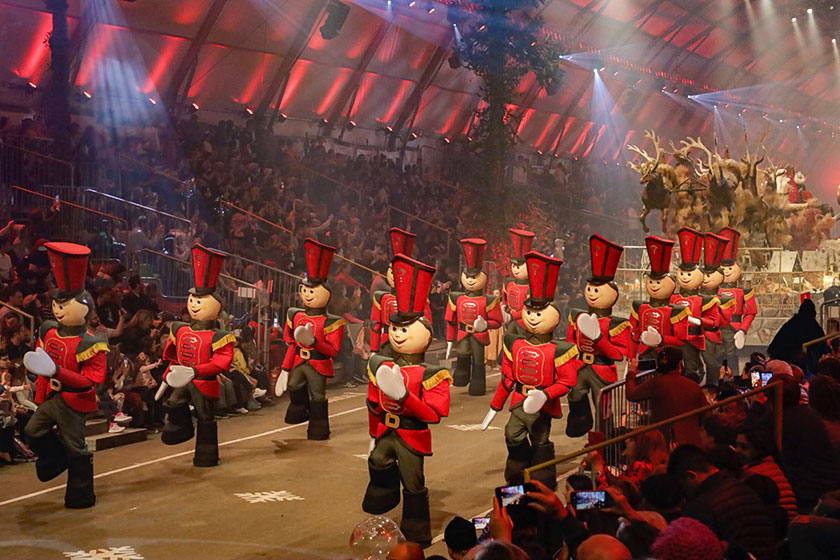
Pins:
x,y
96,427
107,440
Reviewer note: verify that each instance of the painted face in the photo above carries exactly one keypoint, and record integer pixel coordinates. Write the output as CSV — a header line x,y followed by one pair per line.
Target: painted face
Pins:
x,y
660,288
713,280
389,275
732,273
203,308
690,279
474,283
540,321
314,296
519,271
412,338
600,296
70,313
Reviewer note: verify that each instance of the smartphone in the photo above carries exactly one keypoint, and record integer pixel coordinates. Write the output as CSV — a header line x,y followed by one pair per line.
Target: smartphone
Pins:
x,y
276,323
480,523
725,364
589,499
513,495
647,365
760,378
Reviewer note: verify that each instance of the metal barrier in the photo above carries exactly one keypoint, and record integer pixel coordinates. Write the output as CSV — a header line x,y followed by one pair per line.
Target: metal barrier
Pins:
x,y
617,415
775,387
21,166
825,338
130,211
23,313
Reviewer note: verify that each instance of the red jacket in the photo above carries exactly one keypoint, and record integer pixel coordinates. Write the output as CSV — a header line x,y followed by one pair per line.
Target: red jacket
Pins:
x,y
81,363
613,345
328,331
670,321
670,395
385,305
208,351
704,308
426,402
744,310
463,309
514,295
550,367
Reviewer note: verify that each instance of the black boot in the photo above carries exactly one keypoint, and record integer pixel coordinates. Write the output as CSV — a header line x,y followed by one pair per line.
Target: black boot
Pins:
x,y
416,524
461,377
298,411
52,458
518,459
478,379
383,490
319,421
206,445
579,421
540,454
179,426
79,493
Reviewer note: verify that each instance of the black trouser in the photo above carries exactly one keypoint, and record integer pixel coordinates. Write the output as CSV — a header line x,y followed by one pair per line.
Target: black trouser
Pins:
x,y
692,362
190,394
179,426
390,449
71,425
729,352
526,436
307,376
713,359
469,366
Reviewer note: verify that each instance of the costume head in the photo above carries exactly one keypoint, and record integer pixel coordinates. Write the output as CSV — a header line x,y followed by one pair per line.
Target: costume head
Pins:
x,y
522,241
402,242
714,247
690,276
729,265
410,331
601,291
71,304
473,279
203,303
314,291
659,284
539,314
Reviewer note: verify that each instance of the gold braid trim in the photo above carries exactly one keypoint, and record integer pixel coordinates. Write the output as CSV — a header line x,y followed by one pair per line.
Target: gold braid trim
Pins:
x,y
633,312
493,304
566,356
730,303
749,295
90,352
507,352
620,328
711,304
335,326
224,341
371,376
684,314
436,379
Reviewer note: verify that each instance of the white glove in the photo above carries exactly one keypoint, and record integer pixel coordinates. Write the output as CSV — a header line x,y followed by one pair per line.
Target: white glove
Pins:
x,y
390,381
371,445
161,390
39,363
651,337
304,336
448,349
534,402
179,376
479,325
487,419
740,339
506,317
695,321
282,383
587,324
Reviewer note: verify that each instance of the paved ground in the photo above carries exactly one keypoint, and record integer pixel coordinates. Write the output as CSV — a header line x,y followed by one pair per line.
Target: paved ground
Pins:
x,y
154,502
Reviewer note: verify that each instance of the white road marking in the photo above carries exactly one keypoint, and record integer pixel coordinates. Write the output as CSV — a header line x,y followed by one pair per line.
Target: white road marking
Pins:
x,y
469,427
112,553
272,496
362,456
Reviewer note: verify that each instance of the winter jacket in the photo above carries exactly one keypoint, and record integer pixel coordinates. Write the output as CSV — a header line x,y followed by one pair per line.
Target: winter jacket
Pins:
x,y
768,467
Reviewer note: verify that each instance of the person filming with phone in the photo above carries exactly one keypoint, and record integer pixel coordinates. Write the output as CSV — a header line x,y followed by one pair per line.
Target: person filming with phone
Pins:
x,y
670,393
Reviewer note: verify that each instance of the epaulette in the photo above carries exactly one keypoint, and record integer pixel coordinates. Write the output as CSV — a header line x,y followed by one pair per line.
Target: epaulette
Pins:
x,y
709,302
174,327
492,301
507,343
618,325
678,313
377,298
564,351
222,338
333,323
635,306
434,375
89,346
453,299
45,327
374,362
290,315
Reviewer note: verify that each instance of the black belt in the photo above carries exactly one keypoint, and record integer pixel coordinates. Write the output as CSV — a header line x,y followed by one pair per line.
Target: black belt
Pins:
x,y
589,358
737,318
308,354
395,421
468,328
58,386
714,330
695,330
523,389
205,377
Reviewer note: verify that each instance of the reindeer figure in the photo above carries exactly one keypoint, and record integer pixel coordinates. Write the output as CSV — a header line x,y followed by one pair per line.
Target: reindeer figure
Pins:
x,y
657,177
721,192
749,166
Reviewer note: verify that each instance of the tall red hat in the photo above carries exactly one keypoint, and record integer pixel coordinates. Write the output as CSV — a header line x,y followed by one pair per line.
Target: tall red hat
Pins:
x,y
207,266
605,256
318,260
522,241
543,272
730,255
402,241
715,246
473,254
691,248
659,253
412,283
69,263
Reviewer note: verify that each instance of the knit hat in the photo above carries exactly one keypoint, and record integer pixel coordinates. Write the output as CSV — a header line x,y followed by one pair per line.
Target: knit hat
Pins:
x,y
687,539
459,535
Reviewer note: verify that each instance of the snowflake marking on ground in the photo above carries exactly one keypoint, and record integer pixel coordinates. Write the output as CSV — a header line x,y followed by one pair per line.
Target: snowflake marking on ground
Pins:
x,y
469,427
265,497
111,553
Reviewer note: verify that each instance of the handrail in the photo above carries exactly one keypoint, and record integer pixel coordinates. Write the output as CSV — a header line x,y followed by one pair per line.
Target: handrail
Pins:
x,y
182,261
38,154
820,339
152,169
21,312
776,386
258,263
71,204
137,205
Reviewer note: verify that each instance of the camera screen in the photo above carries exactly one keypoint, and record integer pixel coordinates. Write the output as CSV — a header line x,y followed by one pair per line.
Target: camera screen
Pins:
x,y
595,499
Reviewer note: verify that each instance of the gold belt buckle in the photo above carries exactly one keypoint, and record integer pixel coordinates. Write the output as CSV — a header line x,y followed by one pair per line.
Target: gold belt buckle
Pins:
x,y
588,357
469,328
526,388
392,420
305,353
55,384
